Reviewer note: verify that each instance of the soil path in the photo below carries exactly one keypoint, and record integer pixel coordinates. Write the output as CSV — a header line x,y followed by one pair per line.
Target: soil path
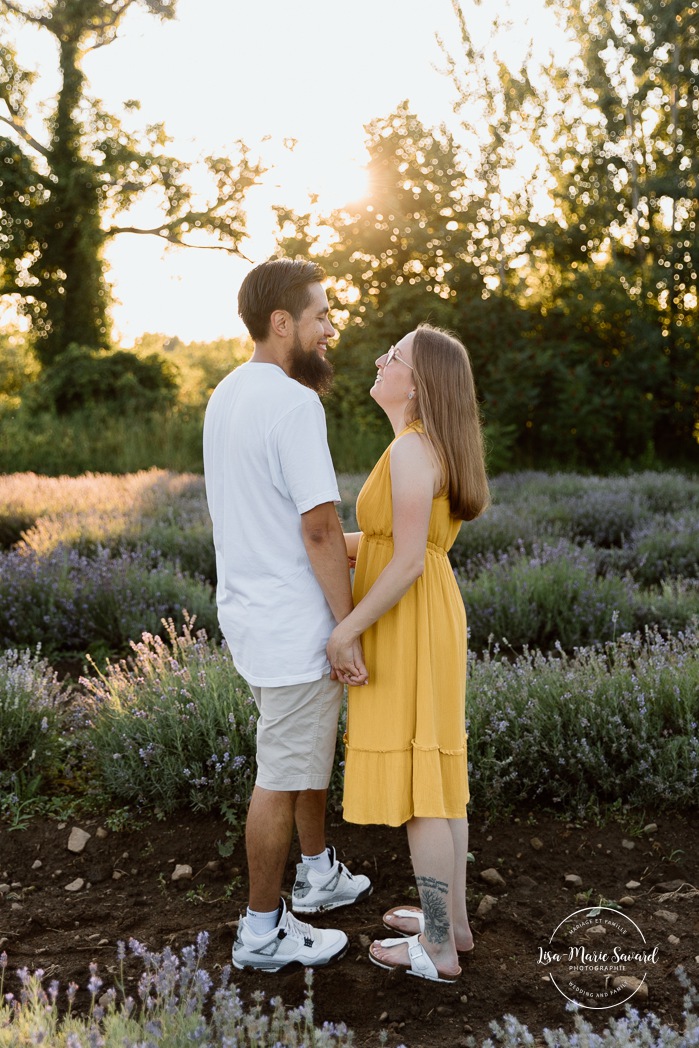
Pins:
x,y
128,891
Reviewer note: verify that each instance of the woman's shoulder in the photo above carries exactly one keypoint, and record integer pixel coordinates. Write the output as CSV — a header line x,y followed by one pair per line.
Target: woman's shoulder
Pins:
x,y
413,449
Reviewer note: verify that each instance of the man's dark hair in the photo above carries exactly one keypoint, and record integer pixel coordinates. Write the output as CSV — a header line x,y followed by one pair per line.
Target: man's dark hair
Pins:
x,y
279,283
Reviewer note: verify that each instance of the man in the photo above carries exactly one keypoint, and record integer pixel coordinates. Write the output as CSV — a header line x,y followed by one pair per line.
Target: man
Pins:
x,y
283,584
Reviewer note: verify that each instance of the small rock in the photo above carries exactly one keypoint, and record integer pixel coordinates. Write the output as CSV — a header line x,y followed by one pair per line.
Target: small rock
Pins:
x,y
597,931
573,881
37,864
77,840
16,906
5,889
632,885
366,865
627,900
365,941
117,875
383,1017
667,915
487,903
536,844
650,828
667,887
61,826
101,832
493,878
75,885
464,998
673,940
629,845
182,872
638,987
215,865
444,1009
524,882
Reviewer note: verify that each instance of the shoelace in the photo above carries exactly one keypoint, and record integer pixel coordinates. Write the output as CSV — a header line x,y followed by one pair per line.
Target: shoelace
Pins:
x,y
298,929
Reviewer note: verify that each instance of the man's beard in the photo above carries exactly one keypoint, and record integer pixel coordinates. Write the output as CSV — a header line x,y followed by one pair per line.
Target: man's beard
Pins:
x,y
310,368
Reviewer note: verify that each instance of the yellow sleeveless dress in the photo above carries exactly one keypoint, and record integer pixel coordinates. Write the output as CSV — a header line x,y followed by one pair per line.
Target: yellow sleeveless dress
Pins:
x,y
406,738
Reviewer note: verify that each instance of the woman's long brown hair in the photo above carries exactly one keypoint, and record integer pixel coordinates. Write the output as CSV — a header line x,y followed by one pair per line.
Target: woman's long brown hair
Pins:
x,y
447,406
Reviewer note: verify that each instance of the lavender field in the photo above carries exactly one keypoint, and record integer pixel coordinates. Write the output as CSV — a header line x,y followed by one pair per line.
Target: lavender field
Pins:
x,y
87,564
582,597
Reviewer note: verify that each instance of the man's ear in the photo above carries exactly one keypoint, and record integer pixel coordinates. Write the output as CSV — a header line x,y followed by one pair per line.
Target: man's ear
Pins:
x,y
280,323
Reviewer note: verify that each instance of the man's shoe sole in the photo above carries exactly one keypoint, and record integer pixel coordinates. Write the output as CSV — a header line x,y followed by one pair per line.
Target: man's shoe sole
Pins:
x,y
325,907
291,966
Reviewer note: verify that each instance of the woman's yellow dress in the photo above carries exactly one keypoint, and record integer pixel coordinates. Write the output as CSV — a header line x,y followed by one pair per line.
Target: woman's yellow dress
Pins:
x,y
406,734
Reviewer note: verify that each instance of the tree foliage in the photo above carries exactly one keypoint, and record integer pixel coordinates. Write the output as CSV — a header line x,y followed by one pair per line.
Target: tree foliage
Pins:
x,y
581,313
623,234
63,197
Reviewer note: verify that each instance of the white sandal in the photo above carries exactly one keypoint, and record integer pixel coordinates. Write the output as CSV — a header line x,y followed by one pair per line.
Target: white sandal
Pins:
x,y
421,964
413,913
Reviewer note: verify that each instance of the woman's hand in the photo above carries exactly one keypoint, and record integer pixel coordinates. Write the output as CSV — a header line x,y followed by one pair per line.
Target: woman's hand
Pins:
x,y
344,650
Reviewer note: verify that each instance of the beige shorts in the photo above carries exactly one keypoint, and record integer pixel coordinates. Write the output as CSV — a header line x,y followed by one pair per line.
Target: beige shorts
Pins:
x,y
297,734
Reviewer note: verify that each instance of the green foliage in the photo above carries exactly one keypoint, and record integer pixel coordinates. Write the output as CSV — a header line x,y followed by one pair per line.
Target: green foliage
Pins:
x,y
90,166
200,366
18,366
115,380
97,440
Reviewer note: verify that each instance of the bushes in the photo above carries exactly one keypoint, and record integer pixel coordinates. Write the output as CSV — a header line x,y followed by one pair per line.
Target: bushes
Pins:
x,y
81,378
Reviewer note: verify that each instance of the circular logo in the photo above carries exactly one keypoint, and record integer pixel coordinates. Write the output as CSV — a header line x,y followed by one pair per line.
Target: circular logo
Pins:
x,y
598,958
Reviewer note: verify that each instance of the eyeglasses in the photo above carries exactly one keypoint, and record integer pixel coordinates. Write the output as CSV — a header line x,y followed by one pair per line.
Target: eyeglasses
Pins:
x,y
393,352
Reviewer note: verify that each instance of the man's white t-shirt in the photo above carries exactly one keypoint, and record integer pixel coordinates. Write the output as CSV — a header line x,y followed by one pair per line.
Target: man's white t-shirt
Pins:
x,y
266,461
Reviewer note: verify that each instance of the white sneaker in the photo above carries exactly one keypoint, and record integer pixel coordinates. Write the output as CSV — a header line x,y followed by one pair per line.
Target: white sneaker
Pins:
x,y
292,943
315,892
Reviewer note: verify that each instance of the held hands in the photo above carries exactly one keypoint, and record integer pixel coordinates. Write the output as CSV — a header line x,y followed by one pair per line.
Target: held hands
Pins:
x,y
346,658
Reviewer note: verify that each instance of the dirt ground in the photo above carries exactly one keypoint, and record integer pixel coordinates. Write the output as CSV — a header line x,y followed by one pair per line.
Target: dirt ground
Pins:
x,y
128,891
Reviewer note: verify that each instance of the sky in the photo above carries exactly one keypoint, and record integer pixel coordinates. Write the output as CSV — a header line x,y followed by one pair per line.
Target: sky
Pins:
x,y
267,72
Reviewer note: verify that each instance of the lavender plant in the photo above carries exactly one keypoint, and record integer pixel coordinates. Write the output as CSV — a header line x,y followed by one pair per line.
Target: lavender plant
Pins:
x,y
69,602
630,1031
31,705
583,730
176,1004
172,725
552,594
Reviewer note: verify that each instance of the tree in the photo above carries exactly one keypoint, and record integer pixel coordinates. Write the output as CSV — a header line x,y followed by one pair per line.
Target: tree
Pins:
x,y
399,256
62,198
624,190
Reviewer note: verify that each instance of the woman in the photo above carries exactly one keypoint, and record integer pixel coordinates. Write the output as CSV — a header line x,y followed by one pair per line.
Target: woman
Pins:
x,y
406,742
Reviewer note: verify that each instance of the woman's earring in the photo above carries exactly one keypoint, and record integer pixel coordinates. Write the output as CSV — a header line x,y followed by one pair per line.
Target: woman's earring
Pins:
x,y
411,394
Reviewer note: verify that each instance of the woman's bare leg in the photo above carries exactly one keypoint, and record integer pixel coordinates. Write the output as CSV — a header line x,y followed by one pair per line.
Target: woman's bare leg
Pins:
x,y
432,853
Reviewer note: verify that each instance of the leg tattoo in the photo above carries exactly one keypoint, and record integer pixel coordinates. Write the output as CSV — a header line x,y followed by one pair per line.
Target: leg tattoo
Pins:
x,y
433,896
